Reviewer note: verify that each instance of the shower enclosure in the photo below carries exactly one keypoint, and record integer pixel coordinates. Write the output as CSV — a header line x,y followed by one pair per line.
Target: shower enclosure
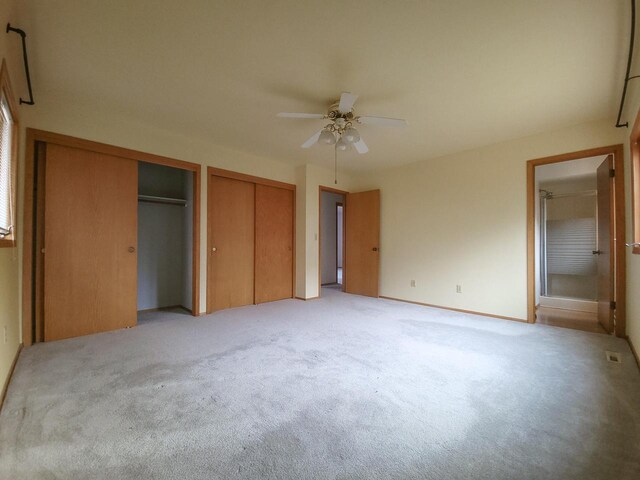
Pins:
x,y
568,245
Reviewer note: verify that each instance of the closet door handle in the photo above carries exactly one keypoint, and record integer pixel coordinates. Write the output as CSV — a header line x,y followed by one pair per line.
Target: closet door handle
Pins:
x,y
131,249
214,249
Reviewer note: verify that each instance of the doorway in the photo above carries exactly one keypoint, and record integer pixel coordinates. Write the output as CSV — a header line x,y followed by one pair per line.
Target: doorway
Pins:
x,y
331,238
575,263
360,238
165,241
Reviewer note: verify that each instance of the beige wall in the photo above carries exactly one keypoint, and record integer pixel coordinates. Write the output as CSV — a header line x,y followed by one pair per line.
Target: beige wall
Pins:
x,y
10,50
310,178
461,219
633,261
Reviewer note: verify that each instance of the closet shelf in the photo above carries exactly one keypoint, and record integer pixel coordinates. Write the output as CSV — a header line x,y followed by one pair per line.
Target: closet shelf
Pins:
x,y
165,200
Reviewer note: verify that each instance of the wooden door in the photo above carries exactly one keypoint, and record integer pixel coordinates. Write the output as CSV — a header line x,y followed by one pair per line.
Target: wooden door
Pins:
x,y
606,257
274,243
231,243
362,238
90,239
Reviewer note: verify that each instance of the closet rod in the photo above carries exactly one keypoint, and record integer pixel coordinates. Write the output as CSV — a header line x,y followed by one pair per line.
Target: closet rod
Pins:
x,y
163,200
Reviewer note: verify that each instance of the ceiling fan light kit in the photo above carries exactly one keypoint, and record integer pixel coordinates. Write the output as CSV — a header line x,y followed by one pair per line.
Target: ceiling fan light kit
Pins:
x,y
327,137
341,131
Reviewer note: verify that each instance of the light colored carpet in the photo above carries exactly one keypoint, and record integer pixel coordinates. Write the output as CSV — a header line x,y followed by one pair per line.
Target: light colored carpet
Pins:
x,y
344,387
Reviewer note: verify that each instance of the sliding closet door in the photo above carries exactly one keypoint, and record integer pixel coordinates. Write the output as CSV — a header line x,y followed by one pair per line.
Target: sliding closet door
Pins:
x,y
230,243
274,243
362,237
90,264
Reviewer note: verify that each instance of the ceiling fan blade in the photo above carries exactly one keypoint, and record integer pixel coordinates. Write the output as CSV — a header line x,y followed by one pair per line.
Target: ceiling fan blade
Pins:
x,y
361,147
300,115
347,99
382,121
313,140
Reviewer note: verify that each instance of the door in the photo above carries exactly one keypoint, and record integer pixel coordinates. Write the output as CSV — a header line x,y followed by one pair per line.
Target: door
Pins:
x,y
230,243
362,237
274,243
606,258
90,238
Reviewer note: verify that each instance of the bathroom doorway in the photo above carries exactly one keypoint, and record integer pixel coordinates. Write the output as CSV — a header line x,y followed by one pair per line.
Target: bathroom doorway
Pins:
x,y
577,258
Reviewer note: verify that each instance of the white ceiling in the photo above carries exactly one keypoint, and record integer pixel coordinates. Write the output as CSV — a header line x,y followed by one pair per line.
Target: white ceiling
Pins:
x,y
463,73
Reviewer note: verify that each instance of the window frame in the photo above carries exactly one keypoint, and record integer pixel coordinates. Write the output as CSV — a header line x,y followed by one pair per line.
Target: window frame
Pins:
x,y
7,92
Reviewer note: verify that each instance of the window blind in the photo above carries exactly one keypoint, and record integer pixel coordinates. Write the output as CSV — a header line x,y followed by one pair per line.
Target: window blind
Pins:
x,y
6,169
569,246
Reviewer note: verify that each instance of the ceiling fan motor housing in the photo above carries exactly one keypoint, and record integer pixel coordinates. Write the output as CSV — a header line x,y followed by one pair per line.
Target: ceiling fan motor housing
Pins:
x,y
341,120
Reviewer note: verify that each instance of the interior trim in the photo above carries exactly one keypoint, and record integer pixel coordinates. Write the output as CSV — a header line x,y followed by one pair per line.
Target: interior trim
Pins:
x,y
634,351
619,220
219,172
471,312
5,88
634,148
344,194
5,388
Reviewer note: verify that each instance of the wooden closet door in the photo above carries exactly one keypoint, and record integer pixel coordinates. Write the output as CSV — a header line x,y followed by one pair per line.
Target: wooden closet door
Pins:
x,y
362,237
274,243
231,217
90,239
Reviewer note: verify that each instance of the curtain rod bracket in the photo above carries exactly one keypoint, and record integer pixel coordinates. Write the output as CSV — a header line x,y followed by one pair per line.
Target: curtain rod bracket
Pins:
x,y
23,35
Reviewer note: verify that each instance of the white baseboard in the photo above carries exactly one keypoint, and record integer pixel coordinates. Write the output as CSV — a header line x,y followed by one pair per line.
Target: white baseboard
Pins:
x,y
569,304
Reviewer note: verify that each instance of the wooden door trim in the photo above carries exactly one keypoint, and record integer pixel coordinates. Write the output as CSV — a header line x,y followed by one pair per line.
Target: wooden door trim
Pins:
x,y
115,151
634,138
344,193
219,172
35,136
617,247
339,204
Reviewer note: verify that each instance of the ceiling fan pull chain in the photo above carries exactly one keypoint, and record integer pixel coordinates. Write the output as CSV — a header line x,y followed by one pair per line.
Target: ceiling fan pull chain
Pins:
x,y
335,166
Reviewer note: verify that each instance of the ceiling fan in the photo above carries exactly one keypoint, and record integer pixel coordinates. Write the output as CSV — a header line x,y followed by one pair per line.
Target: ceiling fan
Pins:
x,y
340,131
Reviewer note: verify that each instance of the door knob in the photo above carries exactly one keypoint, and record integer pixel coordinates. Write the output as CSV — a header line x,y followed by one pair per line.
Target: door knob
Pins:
x,y
596,252
214,249
131,249
375,249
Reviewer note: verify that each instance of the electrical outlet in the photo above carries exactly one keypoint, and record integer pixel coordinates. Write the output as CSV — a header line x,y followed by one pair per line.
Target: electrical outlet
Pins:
x,y
413,283
459,288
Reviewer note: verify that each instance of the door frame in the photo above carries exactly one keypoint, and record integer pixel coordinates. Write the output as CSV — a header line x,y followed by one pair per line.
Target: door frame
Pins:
x,y
618,219
33,224
344,193
338,206
219,172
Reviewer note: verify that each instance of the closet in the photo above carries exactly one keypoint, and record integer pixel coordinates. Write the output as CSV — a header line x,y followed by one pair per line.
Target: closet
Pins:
x,y
165,237
250,240
113,231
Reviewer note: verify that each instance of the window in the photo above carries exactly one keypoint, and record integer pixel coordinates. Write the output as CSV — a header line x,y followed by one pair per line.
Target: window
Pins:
x,y
635,185
8,160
